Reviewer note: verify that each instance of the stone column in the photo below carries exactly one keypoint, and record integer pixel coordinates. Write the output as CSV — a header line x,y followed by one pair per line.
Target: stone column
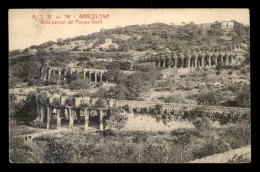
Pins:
x,y
65,74
49,74
48,117
42,75
58,118
59,73
71,118
95,77
101,77
84,73
86,119
100,120
210,61
202,60
164,65
175,61
196,61
231,58
188,62
42,114
216,59
89,75
45,75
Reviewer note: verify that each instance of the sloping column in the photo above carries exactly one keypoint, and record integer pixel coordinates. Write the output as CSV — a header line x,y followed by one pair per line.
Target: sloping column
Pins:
x,y
48,117
58,118
164,63
101,120
86,119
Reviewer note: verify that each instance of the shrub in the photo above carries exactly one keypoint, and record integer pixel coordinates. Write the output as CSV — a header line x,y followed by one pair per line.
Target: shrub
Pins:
x,y
116,120
210,148
201,123
230,72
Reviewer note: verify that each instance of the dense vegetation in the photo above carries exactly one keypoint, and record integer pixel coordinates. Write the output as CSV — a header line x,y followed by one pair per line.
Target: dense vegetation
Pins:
x,y
128,147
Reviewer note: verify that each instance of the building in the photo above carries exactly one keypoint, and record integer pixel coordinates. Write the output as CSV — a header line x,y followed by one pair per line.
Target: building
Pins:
x,y
227,24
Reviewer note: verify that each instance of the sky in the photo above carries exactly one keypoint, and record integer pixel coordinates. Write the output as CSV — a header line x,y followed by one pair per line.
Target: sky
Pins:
x,y
26,30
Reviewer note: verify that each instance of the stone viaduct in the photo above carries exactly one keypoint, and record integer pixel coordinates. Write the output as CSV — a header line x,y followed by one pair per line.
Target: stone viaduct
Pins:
x,y
95,75
58,106
194,59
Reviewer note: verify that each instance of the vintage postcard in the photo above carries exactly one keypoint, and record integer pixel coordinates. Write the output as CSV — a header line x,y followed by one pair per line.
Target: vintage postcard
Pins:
x,y
129,86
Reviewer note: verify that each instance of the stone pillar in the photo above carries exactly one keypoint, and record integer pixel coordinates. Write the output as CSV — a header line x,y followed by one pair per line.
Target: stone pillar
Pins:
x,y
216,60
231,60
42,74
95,77
210,61
64,75
49,74
100,120
202,61
86,119
48,117
196,61
58,118
84,73
188,62
101,77
59,73
42,114
175,62
71,118
45,75
89,75
164,63
169,66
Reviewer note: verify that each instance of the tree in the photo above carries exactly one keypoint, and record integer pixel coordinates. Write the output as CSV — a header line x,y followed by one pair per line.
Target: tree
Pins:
x,y
116,120
181,138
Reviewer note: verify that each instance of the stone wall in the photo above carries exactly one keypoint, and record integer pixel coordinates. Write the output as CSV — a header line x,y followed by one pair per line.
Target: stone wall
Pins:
x,y
142,122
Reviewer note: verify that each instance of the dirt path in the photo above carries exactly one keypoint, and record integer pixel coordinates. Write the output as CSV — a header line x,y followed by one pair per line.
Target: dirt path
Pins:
x,y
239,155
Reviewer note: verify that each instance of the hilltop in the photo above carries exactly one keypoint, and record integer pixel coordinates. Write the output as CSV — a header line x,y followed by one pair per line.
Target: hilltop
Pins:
x,y
146,38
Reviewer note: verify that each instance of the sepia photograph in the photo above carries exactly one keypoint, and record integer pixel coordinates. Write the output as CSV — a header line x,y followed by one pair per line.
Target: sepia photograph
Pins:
x,y
156,86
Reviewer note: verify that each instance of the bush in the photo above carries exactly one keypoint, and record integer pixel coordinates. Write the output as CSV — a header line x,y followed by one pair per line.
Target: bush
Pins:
x,y
201,123
210,148
116,120
230,72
